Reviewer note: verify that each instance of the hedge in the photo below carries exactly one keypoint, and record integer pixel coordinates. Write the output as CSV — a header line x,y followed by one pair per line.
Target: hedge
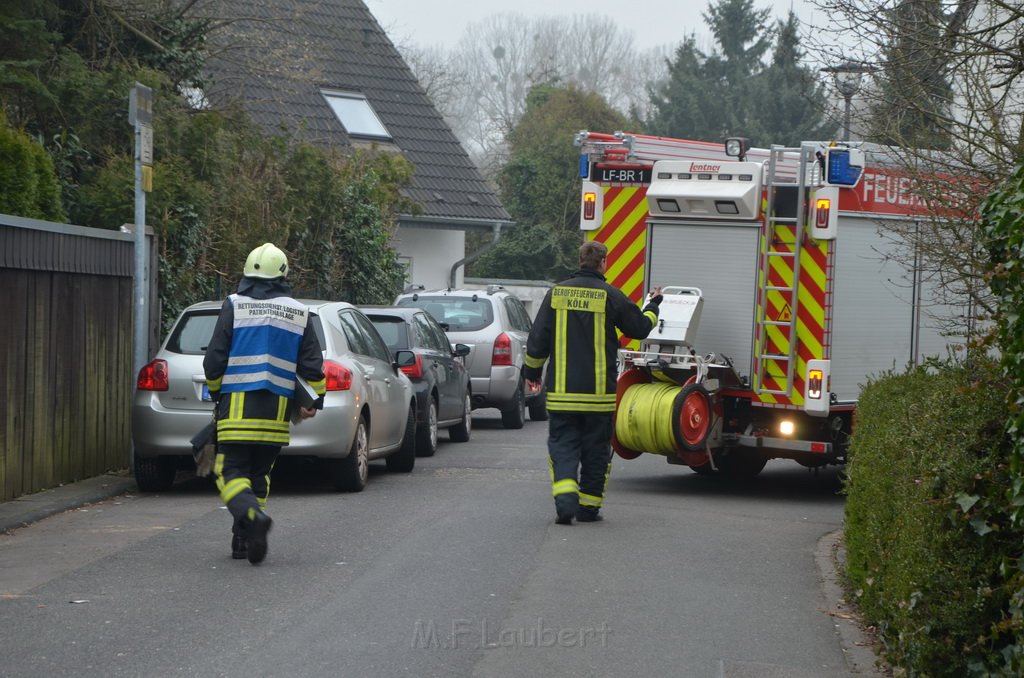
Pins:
x,y
923,442
28,183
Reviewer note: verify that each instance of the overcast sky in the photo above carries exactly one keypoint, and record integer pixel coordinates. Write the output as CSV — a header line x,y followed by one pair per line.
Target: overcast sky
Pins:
x,y
653,23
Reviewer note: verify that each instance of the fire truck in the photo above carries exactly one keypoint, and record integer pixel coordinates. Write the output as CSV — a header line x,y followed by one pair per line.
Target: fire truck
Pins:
x,y
782,293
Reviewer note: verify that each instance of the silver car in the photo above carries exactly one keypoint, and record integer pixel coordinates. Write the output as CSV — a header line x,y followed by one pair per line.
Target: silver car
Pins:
x,y
495,325
369,409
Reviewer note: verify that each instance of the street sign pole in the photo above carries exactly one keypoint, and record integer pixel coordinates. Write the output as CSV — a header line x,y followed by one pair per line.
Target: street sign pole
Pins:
x,y
140,114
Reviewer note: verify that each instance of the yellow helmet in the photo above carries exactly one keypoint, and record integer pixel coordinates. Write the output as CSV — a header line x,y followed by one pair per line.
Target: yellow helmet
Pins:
x,y
266,261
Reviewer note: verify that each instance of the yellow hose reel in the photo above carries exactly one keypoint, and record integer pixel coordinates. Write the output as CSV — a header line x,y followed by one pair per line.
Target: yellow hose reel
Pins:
x,y
662,418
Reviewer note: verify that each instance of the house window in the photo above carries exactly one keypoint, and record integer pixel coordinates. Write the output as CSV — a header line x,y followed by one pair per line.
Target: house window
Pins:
x,y
355,114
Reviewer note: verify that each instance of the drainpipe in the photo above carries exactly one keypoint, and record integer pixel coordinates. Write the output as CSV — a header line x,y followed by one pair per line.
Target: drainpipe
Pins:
x,y
474,256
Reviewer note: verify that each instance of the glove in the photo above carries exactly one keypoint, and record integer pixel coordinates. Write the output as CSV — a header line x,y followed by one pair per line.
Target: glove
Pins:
x,y
652,303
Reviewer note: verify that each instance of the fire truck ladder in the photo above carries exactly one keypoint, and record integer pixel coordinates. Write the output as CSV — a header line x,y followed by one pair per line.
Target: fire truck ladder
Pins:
x,y
780,174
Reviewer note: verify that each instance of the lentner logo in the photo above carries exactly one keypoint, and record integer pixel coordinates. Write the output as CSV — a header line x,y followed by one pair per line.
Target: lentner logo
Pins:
x,y
704,167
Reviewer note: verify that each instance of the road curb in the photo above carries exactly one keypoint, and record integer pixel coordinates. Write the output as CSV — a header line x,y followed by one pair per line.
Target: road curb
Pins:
x,y
829,556
34,507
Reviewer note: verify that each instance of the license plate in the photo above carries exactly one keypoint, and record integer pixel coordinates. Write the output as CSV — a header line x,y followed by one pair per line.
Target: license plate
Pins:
x,y
206,394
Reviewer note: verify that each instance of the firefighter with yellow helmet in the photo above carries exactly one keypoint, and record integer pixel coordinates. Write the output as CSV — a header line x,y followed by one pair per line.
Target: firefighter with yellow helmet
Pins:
x,y
262,342
575,330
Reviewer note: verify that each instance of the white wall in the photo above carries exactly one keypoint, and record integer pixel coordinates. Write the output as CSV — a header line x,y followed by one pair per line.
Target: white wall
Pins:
x,y
430,254
530,292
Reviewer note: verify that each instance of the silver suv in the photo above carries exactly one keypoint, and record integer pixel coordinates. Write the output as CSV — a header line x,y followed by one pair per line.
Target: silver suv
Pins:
x,y
495,325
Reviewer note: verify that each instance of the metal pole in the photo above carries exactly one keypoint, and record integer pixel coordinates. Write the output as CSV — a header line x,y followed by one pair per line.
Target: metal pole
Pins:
x,y
848,98
141,322
140,114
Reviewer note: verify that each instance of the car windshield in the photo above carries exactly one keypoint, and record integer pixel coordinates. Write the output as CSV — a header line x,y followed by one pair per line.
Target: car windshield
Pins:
x,y
192,335
463,314
392,330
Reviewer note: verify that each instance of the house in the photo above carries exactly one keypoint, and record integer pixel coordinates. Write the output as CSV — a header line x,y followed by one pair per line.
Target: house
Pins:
x,y
326,71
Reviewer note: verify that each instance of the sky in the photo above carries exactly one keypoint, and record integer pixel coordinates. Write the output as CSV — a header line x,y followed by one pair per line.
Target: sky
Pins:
x,y
660,23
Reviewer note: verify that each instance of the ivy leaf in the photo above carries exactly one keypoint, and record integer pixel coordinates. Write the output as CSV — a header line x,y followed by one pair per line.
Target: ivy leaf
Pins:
x,y
966,501
980,526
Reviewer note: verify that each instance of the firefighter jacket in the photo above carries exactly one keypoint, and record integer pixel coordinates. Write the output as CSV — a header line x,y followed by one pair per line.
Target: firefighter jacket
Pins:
x,y
575,329
262,341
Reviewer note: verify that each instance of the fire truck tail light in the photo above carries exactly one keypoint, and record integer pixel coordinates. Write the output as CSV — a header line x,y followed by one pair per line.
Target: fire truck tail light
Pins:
x,y
821,210
592,207
825,212
589,205
814,379
818,448
817,389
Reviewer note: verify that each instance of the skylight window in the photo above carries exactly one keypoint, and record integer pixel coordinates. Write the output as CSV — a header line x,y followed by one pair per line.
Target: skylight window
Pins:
x,y
355,114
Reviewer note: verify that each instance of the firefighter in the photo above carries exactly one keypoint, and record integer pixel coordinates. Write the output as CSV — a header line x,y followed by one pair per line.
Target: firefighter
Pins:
x,y
575,329
262,341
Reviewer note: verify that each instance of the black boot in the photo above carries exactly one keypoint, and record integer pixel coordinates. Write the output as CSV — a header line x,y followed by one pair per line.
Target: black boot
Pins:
x,y
588,514
566,506
256,529
238,550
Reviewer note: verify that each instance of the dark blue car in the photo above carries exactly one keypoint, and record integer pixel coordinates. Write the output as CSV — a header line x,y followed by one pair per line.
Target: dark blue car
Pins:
x,y
439,376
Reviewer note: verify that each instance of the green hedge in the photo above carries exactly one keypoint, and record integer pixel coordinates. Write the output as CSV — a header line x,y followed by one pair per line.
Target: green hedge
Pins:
x,y
923,442
28,183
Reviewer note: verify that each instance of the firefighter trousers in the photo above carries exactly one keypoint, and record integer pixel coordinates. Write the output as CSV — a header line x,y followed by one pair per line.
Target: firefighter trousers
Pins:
x,y
579,447
243,477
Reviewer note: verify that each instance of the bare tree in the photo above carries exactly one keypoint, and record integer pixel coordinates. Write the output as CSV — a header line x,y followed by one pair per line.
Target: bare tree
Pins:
x,y
500,59
977,48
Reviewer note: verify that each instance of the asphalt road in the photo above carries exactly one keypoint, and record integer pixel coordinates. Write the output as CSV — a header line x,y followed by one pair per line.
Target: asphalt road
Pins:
x,y
456,569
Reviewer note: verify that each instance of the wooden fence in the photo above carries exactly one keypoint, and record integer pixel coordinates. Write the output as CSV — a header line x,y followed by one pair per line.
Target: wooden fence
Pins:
x,y
65,352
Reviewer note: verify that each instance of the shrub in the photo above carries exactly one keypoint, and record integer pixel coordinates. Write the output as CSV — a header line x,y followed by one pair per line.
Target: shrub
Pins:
x,y
923,442
28,183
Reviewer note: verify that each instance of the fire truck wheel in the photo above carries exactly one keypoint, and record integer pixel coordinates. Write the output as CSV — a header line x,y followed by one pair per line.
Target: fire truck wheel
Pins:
x,y
691,417
704,470
744,463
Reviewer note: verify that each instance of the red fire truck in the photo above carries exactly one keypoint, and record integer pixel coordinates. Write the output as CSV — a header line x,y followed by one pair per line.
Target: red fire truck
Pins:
x,y
782,292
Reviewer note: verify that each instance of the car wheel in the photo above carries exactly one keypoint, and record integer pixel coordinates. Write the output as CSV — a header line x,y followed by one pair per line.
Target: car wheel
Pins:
x,y
155,474
460,432
539,407
515,415
426,434
350,473
404,459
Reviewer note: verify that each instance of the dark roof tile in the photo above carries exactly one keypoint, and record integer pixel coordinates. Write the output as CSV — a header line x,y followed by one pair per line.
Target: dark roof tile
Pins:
x,y
277,56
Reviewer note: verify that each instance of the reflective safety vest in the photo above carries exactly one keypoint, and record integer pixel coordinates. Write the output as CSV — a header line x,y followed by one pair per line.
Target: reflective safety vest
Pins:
x,y
575,329
265,341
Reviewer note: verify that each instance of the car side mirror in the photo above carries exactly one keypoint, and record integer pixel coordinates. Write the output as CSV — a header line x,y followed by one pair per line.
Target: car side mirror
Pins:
x,y
461,350
444,326
404,358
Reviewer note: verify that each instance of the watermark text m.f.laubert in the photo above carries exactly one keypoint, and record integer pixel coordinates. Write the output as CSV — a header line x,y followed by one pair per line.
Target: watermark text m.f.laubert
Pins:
x,y
468,633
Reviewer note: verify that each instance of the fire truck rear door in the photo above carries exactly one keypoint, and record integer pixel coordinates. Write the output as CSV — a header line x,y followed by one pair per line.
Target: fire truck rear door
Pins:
x,y
720,259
